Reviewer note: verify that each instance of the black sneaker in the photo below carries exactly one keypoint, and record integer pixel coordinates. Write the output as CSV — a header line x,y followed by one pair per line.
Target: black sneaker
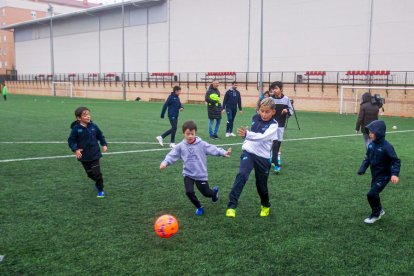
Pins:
x,y
215,197
216,137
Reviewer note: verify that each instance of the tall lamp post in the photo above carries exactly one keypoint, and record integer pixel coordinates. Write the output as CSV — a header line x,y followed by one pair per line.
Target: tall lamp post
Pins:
x,y
123,52
52,61
261,51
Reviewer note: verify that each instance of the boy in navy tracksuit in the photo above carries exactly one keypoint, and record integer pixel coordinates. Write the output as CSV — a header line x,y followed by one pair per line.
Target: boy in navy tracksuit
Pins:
x,y
232,100
283,111
174,106
83,141
255,155
385,166
193,151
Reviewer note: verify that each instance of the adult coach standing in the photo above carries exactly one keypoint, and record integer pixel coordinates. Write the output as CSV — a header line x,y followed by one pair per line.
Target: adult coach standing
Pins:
x,y
232,100
368,112
213,108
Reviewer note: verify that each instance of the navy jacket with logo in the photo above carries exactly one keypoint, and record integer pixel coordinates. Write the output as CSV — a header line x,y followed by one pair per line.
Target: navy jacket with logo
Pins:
x,y
173,104
232,100
381,156
86,138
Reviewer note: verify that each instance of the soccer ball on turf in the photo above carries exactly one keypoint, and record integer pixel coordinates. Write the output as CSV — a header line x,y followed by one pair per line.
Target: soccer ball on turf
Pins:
x,y
166,226
394,128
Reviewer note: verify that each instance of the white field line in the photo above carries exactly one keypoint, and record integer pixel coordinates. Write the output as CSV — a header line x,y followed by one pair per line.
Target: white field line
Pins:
x,y
159,149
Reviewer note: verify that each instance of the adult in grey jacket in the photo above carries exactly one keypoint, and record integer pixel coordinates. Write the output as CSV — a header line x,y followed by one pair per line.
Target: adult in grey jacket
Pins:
x,y
368,112
214,108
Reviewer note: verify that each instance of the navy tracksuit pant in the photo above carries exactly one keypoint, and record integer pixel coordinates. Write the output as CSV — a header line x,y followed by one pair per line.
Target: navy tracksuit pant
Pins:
x,y
172,130
93,170
231,115
377,185
261,168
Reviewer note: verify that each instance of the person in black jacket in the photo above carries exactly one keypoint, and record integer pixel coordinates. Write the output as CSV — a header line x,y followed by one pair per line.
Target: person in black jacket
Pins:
x,y
384,164
232,100
174,106
83,141
213,108
368,112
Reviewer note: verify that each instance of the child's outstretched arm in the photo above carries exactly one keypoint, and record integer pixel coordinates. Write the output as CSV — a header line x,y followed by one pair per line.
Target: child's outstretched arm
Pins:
x,y
365,164
228,152
269,134
210,149
395,164
173,156
101,139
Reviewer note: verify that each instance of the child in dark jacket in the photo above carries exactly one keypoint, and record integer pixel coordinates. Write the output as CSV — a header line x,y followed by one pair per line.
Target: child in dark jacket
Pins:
x,y
83,141
174,106
385,166
232,101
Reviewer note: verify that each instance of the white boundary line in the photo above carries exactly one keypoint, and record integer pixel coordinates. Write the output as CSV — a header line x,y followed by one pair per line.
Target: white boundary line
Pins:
x,y
162,149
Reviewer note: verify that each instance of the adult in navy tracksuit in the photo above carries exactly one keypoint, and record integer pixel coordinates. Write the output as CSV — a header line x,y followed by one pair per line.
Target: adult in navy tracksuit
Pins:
x,y
284,109
174,106
83,141
232,100
385,167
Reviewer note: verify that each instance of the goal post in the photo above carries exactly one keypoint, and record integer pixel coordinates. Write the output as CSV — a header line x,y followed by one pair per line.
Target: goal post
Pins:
x,y
62,89
350,96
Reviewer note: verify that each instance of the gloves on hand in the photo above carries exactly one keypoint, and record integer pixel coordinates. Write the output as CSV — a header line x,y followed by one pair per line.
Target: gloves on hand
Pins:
x,y
361,172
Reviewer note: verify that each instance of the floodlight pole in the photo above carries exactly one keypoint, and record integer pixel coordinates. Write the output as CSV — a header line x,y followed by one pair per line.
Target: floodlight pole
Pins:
x,y
123,52
261,51
52,60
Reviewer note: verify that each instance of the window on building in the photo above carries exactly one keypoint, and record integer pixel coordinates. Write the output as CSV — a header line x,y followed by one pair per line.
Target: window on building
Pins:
x,y
33,14
5,64
3,12
0,51
1,64
4,38
5,52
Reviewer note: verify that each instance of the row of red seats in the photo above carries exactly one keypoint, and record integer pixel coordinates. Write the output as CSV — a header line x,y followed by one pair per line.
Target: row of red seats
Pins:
x,y
369,73
221,73
162,74
315,73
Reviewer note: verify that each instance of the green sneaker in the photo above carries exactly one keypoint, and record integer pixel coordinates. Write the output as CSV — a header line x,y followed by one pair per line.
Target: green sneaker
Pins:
x,y
231,213
276,169
265,211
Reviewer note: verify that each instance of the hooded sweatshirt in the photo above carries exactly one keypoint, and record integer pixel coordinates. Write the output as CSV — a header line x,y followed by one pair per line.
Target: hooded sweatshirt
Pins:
x,y
194,157
381,156
86,138
368,112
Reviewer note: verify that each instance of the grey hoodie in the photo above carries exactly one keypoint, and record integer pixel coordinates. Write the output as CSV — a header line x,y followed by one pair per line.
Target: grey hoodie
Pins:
x,y
194,157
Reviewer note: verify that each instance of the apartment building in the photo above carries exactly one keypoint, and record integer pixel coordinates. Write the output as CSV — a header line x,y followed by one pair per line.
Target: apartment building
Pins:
x,y
15,11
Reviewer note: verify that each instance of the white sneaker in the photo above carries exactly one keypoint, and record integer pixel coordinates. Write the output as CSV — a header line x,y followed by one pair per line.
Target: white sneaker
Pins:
x,y
232,134
172,145
228,135
371,219
159,139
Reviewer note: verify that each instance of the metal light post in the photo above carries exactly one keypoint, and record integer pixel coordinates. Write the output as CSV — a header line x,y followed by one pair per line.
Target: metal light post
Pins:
x,y
123,52
261,51
52,60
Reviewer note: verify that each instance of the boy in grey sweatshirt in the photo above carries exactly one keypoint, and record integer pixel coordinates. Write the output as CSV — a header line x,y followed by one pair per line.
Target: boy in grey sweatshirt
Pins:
x,y
193,151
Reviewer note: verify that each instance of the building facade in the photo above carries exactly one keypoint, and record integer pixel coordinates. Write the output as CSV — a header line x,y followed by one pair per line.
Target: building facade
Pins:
x,y
14,11
216,35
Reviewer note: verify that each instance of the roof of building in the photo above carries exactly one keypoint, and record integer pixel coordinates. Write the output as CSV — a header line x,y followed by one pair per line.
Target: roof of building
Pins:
x,y
89,11
71,3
